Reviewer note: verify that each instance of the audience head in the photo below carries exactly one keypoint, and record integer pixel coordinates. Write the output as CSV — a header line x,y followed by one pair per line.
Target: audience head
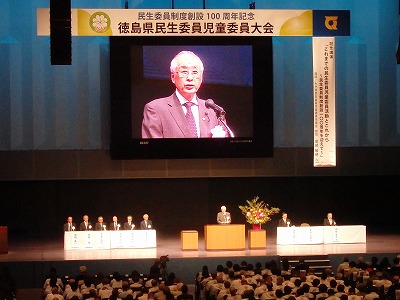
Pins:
x,y
279,293
322,288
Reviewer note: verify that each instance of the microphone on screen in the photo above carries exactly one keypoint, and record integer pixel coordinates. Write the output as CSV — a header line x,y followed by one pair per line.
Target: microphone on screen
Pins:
x,y
218,109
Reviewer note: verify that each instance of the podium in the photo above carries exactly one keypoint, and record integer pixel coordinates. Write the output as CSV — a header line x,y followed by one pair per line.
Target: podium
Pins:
x,y
225,237
3,239
257,239
189,240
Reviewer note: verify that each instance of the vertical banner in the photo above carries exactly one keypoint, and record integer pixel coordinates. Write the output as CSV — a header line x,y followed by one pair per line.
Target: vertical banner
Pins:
x,y
324,102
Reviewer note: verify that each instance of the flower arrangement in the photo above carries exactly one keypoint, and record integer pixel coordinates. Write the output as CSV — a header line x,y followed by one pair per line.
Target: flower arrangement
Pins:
x,y
258,212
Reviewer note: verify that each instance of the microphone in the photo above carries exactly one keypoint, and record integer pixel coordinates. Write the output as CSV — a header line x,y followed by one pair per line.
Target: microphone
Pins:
x,y
218,109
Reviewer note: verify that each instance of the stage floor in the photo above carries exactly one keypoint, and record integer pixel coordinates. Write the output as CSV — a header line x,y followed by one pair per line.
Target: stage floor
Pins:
x,y
53,250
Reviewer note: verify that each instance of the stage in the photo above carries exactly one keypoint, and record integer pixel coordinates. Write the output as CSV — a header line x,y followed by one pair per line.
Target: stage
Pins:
x,y
30,259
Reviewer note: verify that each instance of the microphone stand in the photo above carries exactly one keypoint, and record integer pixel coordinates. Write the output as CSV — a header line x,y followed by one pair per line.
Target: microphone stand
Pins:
x,y
221,119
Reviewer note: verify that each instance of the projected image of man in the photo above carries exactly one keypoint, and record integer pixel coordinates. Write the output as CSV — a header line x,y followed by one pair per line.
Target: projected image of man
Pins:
x,y
183,114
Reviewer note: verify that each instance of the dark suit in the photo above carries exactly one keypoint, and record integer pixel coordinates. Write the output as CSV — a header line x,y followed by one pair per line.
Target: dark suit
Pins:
x,y
99,226
66,228
82,226
112,226
224,219
149,225
281,223
326,222
129,227
164,118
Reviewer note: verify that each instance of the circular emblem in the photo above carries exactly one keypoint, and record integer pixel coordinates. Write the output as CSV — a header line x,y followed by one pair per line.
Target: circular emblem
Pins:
x,y
100,22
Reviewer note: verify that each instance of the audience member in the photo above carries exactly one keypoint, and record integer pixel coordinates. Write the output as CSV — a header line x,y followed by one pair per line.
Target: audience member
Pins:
x,y
361,264
343,266
74,292
83,274
302,265
54,295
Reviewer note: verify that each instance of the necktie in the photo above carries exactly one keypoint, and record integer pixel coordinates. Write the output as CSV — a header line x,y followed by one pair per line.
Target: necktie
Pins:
x,y
145,224
69,226
115,226
190,119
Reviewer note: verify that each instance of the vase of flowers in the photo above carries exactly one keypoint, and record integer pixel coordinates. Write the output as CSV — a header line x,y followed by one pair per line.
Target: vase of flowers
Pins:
x,y
257,212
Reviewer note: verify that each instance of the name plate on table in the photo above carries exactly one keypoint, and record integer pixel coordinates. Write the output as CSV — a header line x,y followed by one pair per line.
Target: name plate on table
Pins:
x,y
133,239
110,239
351,234
300,235
321,235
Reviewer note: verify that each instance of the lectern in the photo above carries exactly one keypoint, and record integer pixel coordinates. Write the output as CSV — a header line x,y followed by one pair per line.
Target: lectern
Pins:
x,y
225,237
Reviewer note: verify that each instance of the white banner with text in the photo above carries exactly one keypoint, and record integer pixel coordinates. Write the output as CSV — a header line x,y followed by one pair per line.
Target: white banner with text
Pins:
x,y
324,102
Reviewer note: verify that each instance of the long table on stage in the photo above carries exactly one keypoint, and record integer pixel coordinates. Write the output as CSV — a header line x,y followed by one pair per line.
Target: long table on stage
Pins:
x,y
309,235
110,239
225,237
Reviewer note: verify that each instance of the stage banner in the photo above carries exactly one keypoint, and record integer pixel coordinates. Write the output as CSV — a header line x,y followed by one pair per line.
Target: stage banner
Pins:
x,y
201,22
324,102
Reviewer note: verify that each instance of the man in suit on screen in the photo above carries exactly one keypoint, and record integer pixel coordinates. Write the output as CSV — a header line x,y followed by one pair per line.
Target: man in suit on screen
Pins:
x,y
182,114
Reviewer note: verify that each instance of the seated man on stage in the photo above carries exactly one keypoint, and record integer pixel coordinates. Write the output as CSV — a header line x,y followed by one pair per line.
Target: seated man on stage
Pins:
x,y
85,225
69,226
284,221
100,225
146,223
114,225
224,217
329,221
128,225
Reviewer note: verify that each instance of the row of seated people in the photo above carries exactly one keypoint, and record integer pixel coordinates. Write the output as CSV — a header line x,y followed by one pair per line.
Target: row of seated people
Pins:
x,y
86,225
243,281
114,287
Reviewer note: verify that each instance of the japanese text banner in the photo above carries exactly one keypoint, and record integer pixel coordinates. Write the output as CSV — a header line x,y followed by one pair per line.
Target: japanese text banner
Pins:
x,y
324,102
196,22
